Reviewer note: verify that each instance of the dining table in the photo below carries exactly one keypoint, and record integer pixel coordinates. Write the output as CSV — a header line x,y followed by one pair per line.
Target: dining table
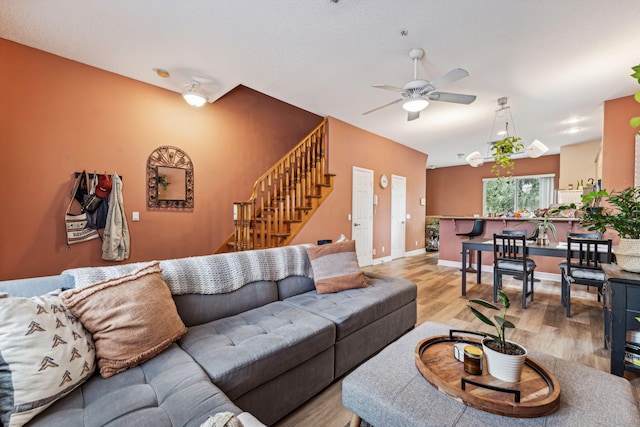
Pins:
x,y
555,249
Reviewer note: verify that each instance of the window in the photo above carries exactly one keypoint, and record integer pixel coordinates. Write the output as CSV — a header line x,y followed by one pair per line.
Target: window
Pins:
x,y
519,192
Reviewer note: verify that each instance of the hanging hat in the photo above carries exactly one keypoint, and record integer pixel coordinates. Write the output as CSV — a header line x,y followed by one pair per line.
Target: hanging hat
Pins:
x,y
104,186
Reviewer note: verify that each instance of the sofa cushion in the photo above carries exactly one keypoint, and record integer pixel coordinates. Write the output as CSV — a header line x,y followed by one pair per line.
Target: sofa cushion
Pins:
x,y
195,309
45,353
132,318
244,351
335,267
168,390
353,309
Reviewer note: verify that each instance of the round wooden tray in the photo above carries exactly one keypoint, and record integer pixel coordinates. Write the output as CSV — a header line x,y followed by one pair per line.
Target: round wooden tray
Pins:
x,y
536,395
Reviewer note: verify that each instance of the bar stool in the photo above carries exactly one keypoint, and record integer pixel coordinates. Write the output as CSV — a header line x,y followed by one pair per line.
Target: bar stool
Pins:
x,y
477,230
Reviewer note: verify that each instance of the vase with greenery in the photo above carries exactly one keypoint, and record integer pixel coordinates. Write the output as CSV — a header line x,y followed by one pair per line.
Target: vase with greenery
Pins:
x,y
622,214
505,359
502,152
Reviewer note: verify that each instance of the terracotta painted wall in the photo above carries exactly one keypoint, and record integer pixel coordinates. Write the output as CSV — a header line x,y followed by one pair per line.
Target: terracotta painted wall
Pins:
x,y
58,116
457,190
618,143
351,146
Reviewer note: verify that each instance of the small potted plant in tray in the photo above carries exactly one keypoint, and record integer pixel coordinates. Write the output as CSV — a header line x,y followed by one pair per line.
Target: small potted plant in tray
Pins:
x,y
505,359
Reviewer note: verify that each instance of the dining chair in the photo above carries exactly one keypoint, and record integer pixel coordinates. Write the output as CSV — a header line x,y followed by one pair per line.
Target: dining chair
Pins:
x,y
510,256
583,266
563,264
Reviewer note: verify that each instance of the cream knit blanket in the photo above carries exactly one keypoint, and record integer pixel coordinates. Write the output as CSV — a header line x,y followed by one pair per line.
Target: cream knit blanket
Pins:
x,y
212,274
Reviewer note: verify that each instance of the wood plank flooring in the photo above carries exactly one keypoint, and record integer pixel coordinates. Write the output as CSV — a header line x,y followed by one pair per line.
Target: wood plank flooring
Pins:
x,y
543,326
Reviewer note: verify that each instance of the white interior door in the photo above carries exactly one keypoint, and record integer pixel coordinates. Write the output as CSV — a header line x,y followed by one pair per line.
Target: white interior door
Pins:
x,y
362,214
398,215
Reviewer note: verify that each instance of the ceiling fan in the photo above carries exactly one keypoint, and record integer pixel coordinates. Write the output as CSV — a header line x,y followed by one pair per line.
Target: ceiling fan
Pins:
x,y
417,93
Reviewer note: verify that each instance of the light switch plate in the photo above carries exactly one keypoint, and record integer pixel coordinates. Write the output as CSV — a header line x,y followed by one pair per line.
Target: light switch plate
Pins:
x,y
135,216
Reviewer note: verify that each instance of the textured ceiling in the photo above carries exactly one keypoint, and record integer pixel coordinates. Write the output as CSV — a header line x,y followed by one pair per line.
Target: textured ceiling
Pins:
x,y
553,59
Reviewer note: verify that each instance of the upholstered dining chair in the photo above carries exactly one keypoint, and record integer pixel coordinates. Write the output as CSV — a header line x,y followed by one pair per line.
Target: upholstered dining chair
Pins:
x,y
583,266
510,256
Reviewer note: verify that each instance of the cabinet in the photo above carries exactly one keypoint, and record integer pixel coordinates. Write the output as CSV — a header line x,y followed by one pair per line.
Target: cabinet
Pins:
x,y
432,234
622,306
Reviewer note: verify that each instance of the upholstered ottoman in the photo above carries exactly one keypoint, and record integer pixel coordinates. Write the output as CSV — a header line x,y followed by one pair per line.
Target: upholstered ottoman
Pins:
x,y
388,390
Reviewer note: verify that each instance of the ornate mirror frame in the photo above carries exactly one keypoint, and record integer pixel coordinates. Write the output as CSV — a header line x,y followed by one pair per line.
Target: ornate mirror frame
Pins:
x,y
168,165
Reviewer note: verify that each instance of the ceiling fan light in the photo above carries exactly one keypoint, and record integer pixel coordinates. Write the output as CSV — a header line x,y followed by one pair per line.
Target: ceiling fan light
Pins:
x,y
475,159
416,104
536,149
194,97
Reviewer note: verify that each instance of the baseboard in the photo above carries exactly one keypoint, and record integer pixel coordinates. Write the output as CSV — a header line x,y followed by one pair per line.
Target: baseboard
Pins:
x,y
377,261
553,277
416,252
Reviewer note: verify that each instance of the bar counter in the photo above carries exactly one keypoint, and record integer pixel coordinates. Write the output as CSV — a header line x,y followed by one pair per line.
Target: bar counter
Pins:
x,y
451,245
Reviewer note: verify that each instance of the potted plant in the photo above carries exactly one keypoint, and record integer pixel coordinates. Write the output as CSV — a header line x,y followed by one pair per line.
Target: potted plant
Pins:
x,y
502,152
623,216
505,359
544,225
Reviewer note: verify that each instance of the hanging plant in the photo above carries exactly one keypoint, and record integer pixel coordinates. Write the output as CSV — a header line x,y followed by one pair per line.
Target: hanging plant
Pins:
x,y
502,152
635,121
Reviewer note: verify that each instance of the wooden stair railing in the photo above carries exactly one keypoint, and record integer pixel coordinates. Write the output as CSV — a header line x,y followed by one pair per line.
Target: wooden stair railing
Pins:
x,y
284,197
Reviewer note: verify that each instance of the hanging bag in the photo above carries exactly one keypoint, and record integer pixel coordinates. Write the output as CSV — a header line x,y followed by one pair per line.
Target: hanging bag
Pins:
x,y
76,225
92,201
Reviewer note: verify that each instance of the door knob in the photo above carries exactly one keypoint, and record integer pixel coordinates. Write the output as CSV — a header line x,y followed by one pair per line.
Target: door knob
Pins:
x,y
356,224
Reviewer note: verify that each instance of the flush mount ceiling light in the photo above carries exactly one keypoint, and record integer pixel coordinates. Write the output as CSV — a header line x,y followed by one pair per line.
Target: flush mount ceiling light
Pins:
x,y
503,114
194,95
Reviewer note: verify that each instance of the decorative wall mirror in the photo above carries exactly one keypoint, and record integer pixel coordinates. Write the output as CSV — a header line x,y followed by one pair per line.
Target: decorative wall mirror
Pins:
x,y
169,179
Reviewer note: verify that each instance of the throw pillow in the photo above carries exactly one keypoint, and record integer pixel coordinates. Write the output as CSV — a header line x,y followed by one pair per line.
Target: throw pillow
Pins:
x,y
132,317
45,353
335,267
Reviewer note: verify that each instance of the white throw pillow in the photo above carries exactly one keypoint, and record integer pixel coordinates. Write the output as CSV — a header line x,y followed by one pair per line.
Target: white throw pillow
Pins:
x,y
45,353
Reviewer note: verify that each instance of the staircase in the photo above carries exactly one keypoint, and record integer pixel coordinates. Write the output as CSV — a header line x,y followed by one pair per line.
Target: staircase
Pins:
x,y
284,197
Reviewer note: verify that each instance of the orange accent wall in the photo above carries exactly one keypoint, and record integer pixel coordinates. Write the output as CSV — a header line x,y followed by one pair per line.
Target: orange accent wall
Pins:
x,y
618,143
457,190
351,146
58,116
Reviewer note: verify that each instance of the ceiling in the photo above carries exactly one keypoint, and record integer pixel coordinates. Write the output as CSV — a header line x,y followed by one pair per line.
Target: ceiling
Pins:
x,y
553,59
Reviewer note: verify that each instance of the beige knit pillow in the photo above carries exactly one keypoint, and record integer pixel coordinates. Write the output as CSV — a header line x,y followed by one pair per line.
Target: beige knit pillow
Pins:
x,y
132,317
335,267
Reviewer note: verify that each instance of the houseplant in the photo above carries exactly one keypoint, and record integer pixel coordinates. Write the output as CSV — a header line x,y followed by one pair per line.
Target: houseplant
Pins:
x,y
544,225
502,152
623,216
505,359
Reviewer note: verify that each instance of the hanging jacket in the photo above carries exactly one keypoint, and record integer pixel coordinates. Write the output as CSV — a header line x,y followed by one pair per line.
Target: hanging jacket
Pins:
x,y
116,241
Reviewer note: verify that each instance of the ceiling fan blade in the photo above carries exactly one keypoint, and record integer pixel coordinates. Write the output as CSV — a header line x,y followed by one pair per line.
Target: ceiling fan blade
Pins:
x,y
382,106
412,115
452,76
458,98
387,87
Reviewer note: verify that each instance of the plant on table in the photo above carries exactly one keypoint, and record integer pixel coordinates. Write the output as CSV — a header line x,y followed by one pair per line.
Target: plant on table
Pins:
x,y
500,325
505,359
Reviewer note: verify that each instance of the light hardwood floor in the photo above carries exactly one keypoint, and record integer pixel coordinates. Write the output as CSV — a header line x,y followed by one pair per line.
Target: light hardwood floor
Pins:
x,y
543,326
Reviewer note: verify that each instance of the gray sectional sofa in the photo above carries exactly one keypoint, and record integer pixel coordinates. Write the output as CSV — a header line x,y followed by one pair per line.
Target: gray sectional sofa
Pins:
x,y
260,350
